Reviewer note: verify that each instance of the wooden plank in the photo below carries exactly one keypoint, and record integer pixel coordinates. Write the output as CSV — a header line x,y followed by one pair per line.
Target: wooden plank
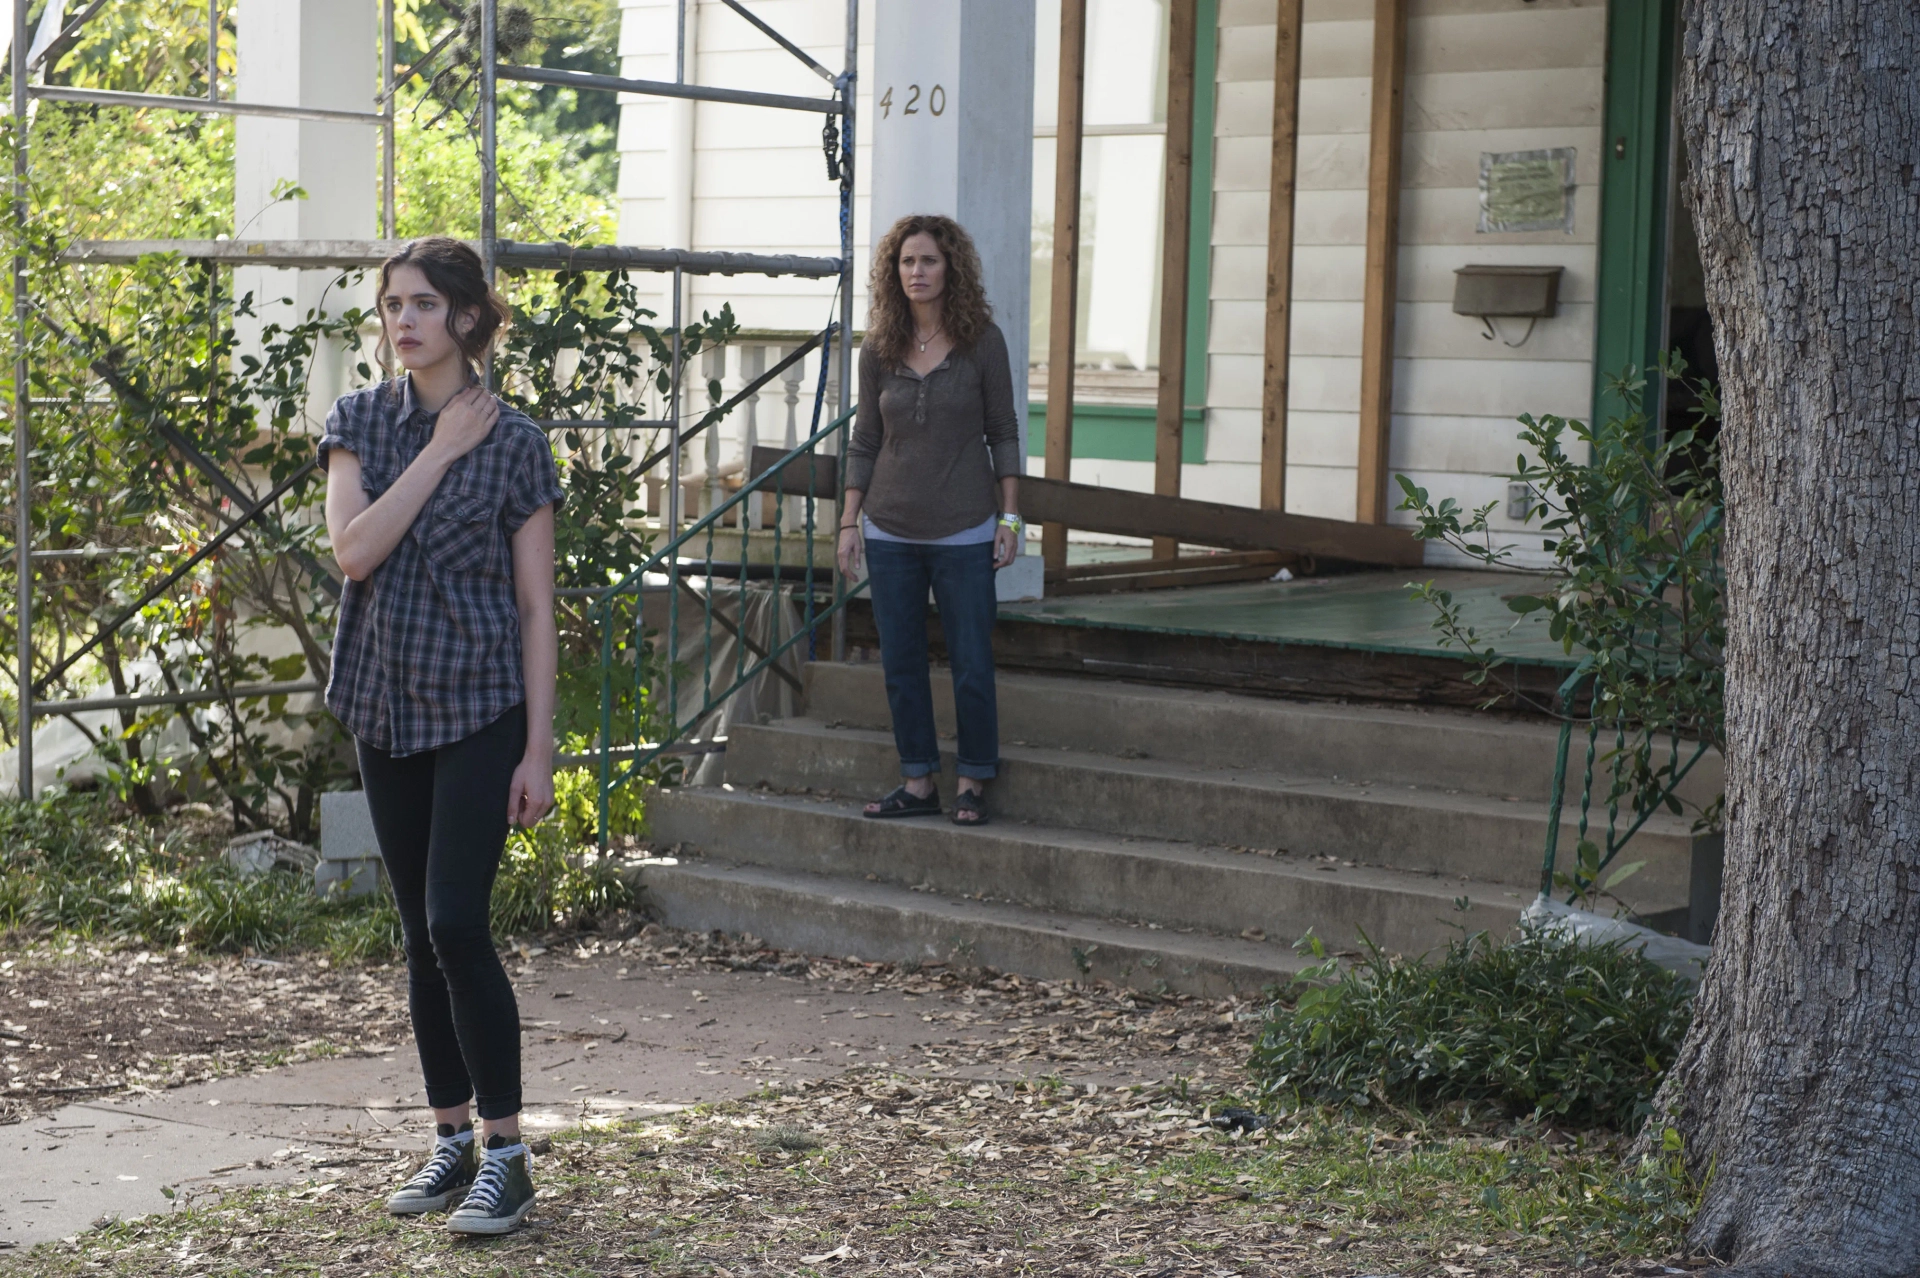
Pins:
x,y
1246,666
1206,523
1175,257
1125,567
1383,256
1280,201
793,480
1167,579
1065,319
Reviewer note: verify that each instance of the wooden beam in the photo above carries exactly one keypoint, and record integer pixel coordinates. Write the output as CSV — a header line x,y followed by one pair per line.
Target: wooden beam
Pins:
x,y
1383,256
1175,256
794,481
1280,201
1207,523
1064,324
1171,578
1134,567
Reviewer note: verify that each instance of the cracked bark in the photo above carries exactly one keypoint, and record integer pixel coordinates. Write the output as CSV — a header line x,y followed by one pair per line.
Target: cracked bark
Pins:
x,y
1800,1083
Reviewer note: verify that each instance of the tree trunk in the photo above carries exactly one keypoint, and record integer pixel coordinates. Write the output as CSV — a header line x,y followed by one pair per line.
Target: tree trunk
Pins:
x,y
1799,1086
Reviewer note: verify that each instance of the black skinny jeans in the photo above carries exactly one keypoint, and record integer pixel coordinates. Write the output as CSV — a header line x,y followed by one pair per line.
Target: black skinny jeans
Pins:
x,y
441,819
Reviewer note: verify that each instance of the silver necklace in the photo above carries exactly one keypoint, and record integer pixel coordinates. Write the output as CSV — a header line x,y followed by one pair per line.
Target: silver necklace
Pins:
x,y
930,336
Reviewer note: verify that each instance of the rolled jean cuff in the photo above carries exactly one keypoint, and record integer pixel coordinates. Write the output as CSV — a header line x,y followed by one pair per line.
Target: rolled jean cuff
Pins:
x,y
494,1108
911,768
978,771
449,1097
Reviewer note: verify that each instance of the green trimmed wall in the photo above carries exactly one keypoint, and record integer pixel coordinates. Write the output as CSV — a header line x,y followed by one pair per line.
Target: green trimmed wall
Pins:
x,y
1119,432
1630,321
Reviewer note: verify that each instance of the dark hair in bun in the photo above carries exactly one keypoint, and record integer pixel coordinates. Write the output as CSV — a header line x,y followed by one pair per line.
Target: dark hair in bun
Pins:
x,y
455,272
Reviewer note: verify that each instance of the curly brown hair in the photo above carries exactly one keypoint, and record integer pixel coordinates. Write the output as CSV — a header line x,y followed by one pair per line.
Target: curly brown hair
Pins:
x,y
890,317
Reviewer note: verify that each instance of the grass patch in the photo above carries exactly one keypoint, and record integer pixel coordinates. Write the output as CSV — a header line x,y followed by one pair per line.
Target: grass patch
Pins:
x,y
1565,1030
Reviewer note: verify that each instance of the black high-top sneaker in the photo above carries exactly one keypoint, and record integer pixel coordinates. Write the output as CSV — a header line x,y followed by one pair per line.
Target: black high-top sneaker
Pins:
x,y
502,1192
445,1177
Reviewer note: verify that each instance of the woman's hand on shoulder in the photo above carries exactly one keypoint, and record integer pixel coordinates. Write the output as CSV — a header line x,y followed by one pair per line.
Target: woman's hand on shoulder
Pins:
x,y
465,423
530,794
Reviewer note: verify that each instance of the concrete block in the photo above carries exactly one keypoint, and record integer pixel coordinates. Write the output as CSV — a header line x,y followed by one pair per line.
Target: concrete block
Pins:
x,y
346,827
260,851
1020,580
355,877
349,854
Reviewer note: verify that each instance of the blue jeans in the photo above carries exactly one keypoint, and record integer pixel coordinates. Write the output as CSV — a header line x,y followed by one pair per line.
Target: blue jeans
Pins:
x,y
899,574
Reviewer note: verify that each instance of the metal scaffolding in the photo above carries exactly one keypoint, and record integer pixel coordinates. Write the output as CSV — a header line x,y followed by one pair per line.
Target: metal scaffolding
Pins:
x,y
495,252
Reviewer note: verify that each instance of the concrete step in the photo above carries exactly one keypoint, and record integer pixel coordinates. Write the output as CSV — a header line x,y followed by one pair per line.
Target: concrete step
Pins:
x,y
1439,749
1174,885
1401,827
816,915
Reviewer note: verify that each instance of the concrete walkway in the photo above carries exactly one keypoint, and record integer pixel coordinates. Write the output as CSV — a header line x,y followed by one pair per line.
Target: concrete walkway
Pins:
x,y
597,1042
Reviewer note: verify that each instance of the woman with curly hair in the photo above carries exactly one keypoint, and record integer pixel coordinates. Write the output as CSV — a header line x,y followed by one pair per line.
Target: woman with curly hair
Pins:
x,y
933,491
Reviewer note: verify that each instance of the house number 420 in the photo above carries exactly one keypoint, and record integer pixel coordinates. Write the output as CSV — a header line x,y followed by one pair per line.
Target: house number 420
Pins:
x,y
936,101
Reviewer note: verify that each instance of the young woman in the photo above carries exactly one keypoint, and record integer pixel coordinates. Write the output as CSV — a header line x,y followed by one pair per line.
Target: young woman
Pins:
x,y
440,507
933,490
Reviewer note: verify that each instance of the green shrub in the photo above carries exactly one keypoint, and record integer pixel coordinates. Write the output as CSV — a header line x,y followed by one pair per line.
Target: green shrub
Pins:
x,y
82,865
545,879
363,929
1574,1032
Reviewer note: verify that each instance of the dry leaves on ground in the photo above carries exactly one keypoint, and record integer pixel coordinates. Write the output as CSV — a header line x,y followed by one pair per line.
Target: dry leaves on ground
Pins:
x,y
877,1173
83,1021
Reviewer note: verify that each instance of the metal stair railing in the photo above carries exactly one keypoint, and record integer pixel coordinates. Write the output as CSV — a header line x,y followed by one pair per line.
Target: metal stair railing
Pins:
x,y
809,575
1594,858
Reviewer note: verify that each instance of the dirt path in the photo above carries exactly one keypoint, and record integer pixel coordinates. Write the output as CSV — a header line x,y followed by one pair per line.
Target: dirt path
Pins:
x,y
194,1076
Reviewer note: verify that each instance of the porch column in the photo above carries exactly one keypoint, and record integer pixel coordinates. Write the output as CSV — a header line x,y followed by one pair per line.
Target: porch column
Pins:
x,y
952,122
1170,414
1383,257
317,53
1280,208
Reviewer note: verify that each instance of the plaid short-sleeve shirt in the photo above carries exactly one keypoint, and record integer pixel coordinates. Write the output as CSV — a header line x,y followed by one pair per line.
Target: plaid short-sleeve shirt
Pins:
x,y
428,647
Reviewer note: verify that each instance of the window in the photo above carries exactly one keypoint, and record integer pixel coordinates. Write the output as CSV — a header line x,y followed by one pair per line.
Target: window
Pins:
x,y
1122,192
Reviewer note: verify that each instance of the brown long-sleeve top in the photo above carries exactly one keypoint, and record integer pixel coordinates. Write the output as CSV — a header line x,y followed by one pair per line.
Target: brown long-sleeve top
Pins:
x,y
928,450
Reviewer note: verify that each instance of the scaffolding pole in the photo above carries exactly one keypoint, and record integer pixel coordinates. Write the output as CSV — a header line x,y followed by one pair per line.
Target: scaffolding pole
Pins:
x,y
203,106
388,92
848,80
489,141
213,50
22,468
366,254
494,252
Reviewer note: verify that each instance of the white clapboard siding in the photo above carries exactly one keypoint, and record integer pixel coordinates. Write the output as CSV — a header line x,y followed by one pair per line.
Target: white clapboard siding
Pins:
x,y
1321,438
759,178
1482,75
1325,491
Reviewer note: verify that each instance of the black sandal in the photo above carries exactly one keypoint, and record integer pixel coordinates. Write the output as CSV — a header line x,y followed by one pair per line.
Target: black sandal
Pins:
x,y
902,802
969,808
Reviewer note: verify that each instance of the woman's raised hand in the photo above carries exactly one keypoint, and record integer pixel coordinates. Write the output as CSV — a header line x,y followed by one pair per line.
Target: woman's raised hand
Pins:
x,y
465,423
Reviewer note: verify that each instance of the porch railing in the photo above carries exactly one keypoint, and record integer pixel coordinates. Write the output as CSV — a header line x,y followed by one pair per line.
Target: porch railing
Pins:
x,y
798,559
